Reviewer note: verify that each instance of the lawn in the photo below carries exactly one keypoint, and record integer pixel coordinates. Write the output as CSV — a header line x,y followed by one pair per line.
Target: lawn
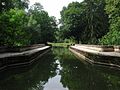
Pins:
x,y
60,44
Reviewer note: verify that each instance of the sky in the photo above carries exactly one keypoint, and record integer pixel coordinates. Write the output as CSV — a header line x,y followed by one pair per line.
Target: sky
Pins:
x,y
53,7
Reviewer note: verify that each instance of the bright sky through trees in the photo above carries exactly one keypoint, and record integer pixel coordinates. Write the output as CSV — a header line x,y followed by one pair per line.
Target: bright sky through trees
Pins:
x,y
53,7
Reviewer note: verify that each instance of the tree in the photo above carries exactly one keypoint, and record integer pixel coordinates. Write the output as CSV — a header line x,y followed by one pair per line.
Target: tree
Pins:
x,y
13,22
113,10
12,26
97,20
72,21
44,27
84,20
19,27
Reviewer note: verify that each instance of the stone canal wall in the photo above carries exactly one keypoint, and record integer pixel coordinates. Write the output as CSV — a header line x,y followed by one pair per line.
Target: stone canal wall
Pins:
x,y
8,59
100,48
94,54
6,49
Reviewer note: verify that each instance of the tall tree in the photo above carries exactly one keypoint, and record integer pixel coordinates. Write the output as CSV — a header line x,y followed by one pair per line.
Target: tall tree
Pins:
x,y
72,21
97,20
44,25
85,20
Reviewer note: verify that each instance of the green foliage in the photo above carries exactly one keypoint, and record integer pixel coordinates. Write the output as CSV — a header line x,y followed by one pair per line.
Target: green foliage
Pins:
x,y
19,27
66,44
112,38
113,10
13,22
12,25
97,20
84,20
72,21
6,5
42,26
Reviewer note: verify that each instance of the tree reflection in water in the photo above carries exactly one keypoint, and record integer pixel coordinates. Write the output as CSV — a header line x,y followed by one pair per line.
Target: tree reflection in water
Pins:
x,y
73,74
31,79
78,76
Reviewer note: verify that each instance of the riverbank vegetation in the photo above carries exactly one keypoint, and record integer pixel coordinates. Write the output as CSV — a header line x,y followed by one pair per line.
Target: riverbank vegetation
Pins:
x,y
24,25
92,22
87,22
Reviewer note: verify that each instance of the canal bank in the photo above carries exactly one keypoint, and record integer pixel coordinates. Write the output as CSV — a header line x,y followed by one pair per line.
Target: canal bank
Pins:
x,y
22,56
96,54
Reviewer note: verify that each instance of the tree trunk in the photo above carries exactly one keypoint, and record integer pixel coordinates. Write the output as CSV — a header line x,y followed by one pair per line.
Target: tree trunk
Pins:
x,y
77,39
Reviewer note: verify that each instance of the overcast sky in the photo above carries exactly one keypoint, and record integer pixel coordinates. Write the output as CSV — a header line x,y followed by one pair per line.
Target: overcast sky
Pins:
x,y
53,7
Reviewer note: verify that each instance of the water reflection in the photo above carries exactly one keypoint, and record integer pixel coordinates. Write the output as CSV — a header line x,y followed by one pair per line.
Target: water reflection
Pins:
x,y
33,79
77,76
60,70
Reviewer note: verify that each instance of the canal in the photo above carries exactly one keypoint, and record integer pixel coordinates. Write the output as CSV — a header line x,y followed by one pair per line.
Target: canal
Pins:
x,y
59,69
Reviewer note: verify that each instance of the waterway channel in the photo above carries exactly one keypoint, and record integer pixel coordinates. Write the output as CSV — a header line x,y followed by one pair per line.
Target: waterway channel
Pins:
x,y
59,69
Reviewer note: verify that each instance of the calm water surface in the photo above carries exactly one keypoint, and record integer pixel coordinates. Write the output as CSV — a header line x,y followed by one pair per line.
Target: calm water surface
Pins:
x,y
60,70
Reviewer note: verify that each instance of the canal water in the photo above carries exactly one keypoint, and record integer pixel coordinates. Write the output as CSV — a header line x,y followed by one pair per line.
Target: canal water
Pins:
x,y
59,69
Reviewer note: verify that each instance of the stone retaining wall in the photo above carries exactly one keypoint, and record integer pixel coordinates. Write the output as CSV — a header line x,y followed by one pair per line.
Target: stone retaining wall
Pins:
x,y
111,59
21,58
101,48
4,49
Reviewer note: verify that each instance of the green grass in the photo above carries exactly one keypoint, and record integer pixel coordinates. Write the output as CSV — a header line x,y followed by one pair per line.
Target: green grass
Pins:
x,y
60,44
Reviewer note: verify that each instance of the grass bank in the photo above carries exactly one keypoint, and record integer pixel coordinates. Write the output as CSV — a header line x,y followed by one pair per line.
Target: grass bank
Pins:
x,y
60,44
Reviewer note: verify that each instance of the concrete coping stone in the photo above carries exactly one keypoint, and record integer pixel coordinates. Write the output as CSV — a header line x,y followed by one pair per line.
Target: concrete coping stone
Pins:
x,y
100,48
29,52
